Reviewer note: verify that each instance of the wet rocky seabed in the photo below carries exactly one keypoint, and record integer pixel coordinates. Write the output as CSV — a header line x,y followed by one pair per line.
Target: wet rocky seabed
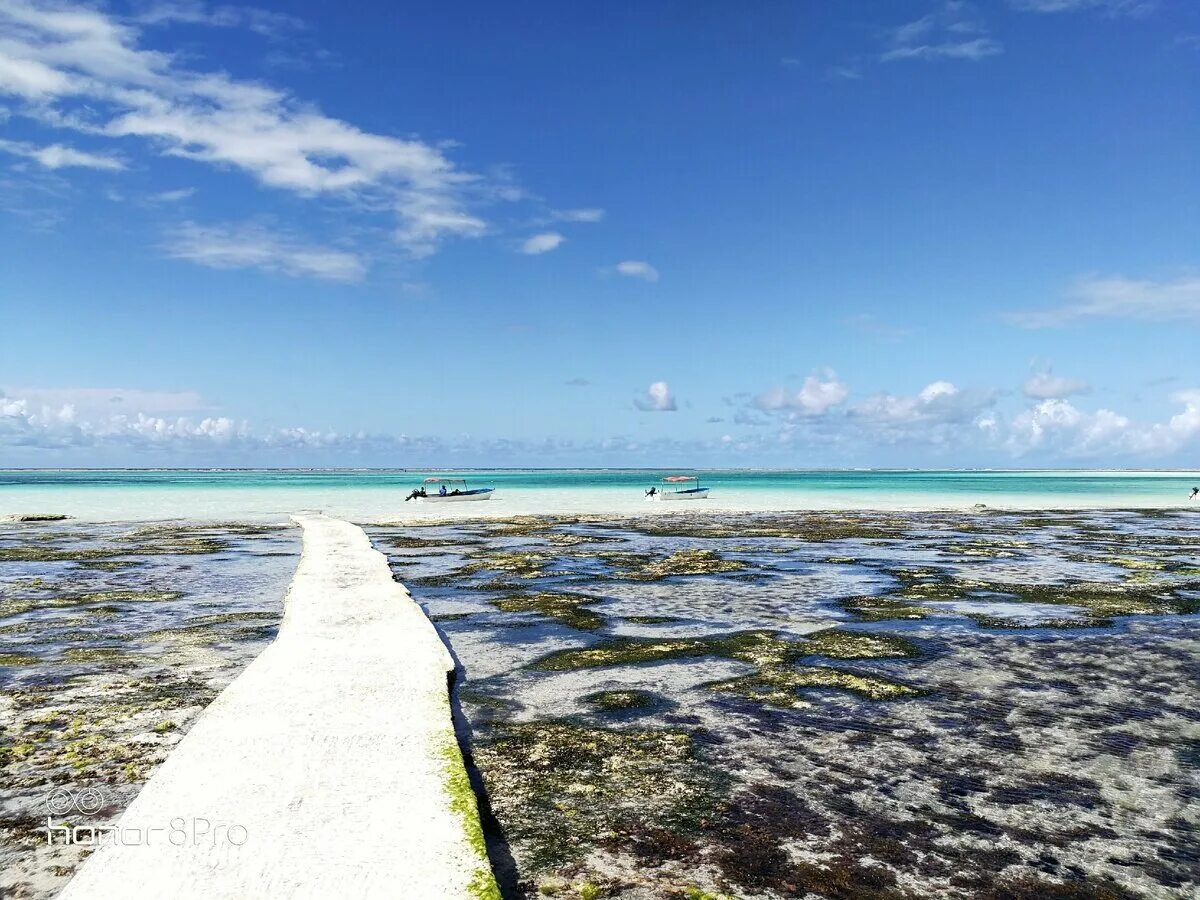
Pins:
x,y
764,706
113,638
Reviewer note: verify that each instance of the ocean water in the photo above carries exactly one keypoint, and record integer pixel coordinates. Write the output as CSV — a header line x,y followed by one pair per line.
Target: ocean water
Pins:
x,y
378,495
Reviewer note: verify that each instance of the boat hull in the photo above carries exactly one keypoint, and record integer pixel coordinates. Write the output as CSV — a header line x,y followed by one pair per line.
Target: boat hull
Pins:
x,y
671,496
465,497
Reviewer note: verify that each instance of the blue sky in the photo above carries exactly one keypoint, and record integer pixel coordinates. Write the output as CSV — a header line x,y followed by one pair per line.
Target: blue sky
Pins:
x,y
665,233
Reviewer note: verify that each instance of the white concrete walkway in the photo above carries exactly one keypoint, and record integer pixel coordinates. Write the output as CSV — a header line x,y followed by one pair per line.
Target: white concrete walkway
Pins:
x,y
328,769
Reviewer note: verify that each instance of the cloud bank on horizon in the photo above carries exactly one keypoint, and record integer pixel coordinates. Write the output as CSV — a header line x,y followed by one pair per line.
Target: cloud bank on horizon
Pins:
x,y
806,426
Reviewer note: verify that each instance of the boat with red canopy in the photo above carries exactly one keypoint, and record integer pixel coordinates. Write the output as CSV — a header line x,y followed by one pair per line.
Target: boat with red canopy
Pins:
x,y
679,487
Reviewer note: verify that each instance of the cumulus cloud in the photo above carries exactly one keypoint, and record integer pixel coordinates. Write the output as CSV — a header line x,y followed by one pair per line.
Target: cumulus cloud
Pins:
x,y
939,401
950,32
658,399
817,395
79,68
633,268
1120,298
251,245
1058,427
542,243
60,156
1048,386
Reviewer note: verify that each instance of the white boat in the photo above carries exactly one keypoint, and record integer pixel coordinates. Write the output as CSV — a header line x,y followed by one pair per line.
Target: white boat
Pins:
x,y
669,491
449,492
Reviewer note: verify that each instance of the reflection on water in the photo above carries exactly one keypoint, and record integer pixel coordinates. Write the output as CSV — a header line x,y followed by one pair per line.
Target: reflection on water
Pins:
x,y
689,707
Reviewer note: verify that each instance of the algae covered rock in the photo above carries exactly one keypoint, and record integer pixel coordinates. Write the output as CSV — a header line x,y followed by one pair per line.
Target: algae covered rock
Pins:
x,y
558,787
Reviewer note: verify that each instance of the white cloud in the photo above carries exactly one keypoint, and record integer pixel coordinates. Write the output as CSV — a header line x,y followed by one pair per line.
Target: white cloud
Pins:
x,y
174,196
1048,386
1058,427
1120,298
951,32
542,243
817,395
935,413
632,268
1058,423
250,245
84,70
590,214
658,399
59,156
193,12
1112,7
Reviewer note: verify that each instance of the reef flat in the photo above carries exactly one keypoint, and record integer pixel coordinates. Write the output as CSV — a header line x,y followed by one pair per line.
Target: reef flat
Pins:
x,y
893,705
113,638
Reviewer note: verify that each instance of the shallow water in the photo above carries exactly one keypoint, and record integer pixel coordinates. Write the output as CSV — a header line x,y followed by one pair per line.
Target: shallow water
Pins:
x,y
1042,732
378,496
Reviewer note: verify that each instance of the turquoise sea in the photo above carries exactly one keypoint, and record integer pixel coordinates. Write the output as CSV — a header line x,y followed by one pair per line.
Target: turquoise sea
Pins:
x,y
378,495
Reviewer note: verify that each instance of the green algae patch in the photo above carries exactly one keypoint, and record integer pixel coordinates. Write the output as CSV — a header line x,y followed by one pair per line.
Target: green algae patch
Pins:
x,y
521,526
38,517
1103,600
926,584
813,528
652,620
777,686
465,807
110,565
1008,624
623,651
569,609
838,644
16,606
450,617
117,597
685,562
759,648
409,542
54,554
882,609
559,787
16,658
620,701
94,654
520,564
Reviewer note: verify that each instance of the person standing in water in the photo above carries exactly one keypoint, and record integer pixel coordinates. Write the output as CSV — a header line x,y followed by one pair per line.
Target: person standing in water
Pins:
x,y
1195,491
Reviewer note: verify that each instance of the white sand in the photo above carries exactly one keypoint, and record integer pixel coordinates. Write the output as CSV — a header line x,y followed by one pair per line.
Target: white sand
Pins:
x,y
329,768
